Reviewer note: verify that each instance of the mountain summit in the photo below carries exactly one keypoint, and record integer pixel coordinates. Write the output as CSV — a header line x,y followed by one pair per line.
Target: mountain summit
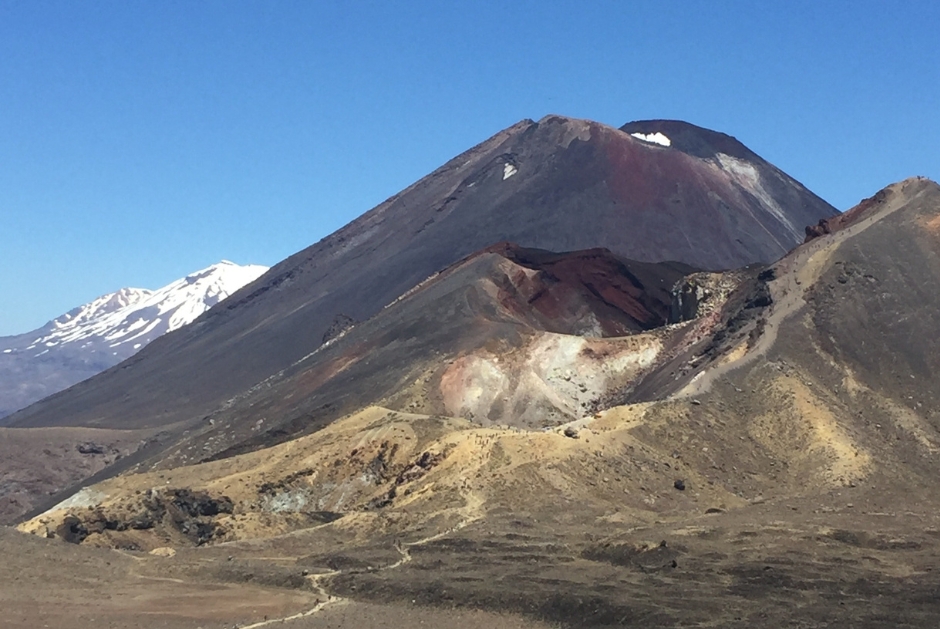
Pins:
x,y
105,331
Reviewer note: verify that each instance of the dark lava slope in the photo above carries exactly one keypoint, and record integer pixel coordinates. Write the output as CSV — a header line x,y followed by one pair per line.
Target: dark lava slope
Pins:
x,y
857,302
558,184
876,307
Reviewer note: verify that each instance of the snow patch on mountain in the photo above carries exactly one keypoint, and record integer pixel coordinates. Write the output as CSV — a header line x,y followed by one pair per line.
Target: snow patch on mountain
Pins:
x,y
126,320
653,138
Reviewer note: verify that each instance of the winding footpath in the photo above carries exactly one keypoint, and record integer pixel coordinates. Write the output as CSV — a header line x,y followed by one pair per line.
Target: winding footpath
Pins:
x,y
470,512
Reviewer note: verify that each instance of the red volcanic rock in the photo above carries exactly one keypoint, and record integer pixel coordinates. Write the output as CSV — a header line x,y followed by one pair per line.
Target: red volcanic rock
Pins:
x,y
623,296
841,221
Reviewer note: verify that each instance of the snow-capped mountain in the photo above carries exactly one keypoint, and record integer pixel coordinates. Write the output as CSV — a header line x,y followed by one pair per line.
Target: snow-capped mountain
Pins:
x,y
107,330
132,317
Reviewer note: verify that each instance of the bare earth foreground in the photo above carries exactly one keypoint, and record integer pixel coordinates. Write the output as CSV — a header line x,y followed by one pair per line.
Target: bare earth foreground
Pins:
x,y
45,584
774,565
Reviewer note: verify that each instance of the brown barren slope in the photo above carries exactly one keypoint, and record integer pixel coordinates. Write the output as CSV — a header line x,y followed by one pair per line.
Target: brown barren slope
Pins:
x,y
40,462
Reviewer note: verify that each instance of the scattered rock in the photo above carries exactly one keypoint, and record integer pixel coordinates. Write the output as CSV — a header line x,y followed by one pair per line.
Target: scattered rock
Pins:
x,y
571,432
90,447
419,467
142,521
679,484
341,323
200,503
382,500
72,530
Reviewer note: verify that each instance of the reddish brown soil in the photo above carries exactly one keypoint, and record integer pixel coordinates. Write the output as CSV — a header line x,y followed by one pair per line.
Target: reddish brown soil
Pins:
x,y
839,222
625,296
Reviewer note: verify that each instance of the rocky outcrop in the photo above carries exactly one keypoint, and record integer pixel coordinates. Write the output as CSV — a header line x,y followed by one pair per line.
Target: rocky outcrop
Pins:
x,y
341,323
190,515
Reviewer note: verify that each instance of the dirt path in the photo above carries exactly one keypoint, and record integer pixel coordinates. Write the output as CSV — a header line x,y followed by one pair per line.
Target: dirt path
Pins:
x,y
796,273
324,600
471,512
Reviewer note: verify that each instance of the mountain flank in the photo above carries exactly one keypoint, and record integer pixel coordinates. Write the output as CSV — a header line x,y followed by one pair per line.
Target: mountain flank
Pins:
x,y
559,184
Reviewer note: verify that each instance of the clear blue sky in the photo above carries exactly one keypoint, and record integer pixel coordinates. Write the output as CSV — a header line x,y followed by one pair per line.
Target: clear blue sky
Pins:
x,y
140,141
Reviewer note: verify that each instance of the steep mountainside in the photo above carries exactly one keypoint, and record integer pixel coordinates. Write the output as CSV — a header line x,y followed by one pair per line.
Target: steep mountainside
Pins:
x,y
89,339
558,184
776,468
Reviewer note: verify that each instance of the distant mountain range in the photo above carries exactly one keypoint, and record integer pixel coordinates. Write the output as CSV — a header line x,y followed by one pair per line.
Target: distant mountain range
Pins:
x,y
107,330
